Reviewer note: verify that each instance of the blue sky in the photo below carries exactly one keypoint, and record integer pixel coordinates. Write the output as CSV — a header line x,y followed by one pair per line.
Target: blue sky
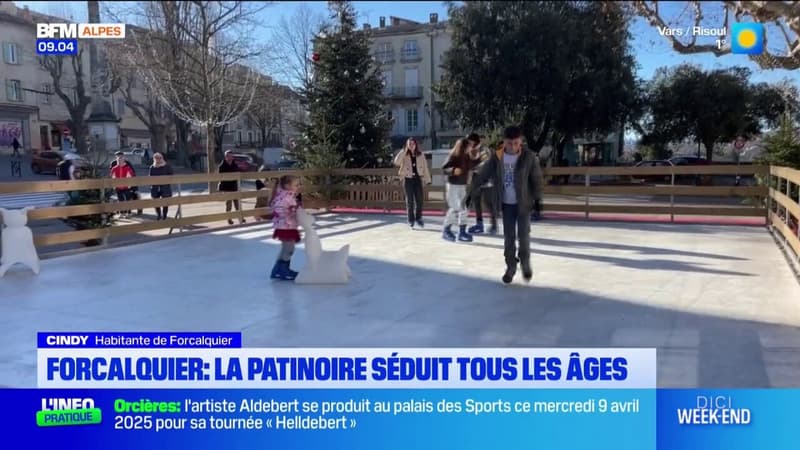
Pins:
x,y
651,50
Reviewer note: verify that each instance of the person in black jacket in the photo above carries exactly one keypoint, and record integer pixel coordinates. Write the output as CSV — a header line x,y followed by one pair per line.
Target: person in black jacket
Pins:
x,y
160,167
228,165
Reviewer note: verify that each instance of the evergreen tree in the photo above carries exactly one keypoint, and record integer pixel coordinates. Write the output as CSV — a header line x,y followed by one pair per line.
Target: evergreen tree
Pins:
x,y
344,98
782,148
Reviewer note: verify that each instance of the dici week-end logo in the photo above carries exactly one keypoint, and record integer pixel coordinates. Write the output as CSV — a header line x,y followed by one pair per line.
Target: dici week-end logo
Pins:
x,y
68,411
747,38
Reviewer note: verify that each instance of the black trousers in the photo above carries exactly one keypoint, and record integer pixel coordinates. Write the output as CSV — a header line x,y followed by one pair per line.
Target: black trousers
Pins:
x,y
485,198
123,195
516,226
161,211
413,188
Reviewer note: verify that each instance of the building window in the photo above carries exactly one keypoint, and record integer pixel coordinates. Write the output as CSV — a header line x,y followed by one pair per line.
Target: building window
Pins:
x,y
385,52
10,53
386,77
47,91
120,107
410,50
412,120
250,137
14,90
239,136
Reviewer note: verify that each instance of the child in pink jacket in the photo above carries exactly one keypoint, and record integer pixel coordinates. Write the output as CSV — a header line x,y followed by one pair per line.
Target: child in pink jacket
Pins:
x,y
284,206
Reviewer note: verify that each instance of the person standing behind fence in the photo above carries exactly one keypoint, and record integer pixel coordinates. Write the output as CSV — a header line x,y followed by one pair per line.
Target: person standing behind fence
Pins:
x,y
122,170
459,164
415,174
15,145
228,165
160,167
484,196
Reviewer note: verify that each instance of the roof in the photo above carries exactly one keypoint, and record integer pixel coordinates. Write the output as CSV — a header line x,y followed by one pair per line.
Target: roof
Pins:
x,y
407,28
11,18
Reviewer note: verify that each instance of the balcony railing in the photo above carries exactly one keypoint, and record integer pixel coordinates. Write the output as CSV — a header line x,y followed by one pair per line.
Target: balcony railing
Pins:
x,y
385,56
410,55
404,92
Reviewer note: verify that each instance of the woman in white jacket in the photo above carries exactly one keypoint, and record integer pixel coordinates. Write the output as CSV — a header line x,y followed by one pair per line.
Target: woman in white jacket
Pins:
x,y
414,172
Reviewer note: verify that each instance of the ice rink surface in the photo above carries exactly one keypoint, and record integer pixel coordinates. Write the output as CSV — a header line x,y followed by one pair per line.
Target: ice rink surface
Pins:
x,y
719,302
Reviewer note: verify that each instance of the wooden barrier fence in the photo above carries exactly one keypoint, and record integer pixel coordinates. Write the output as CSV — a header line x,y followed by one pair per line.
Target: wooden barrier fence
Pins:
x,y
381,189
784,205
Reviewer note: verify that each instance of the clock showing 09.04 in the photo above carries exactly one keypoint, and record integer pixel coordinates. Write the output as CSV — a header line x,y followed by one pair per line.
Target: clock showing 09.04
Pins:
x,y
56,46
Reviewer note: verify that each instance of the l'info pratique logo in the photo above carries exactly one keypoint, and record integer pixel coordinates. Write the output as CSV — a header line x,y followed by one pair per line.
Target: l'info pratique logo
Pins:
x,y
57,412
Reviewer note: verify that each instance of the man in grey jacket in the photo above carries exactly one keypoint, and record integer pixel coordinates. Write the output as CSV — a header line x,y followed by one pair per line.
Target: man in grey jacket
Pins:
x,y
517,176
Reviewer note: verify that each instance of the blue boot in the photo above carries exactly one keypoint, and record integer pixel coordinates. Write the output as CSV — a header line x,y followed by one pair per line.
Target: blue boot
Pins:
x,y
277,271
448,235
477,228
281,271
463,236
286,273
290,274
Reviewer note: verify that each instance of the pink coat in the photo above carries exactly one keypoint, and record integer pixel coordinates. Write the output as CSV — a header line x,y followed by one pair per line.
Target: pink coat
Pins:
x,y
284,210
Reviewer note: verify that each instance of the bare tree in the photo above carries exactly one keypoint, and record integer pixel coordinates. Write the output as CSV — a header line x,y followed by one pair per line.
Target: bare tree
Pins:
x,y
69,76
193,56
783,15
266,111
145,105
292,45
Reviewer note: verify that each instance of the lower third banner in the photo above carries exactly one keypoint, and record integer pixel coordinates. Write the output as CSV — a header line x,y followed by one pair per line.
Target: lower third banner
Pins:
x,y
620,419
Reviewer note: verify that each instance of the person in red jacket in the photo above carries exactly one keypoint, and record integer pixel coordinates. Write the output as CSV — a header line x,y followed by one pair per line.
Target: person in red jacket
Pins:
x,y
123,170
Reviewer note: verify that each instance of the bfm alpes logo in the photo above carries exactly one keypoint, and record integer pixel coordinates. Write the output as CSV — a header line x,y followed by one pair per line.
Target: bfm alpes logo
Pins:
x,y
80,30
68,411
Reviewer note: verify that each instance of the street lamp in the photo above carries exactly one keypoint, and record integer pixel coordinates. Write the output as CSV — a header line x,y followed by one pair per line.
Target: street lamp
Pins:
x,y
429,113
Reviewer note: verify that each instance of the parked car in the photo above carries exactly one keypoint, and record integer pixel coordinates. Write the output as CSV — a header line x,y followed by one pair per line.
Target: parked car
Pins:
x,y
691,161
688,161
46,161
654,178
245,162
283,164
135,156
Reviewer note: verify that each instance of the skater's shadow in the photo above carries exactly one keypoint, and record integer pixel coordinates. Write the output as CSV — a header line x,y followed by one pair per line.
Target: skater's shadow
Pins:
x,y
641,264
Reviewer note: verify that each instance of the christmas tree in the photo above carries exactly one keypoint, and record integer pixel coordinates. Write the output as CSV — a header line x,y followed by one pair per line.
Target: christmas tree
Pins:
x,y
345,96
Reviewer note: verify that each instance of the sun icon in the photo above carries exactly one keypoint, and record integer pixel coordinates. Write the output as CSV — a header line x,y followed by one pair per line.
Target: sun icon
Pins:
x,y
747,38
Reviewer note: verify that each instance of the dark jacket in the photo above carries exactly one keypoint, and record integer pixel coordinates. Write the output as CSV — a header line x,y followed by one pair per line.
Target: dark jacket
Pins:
x,y
528,180
164,189
228,185
465,163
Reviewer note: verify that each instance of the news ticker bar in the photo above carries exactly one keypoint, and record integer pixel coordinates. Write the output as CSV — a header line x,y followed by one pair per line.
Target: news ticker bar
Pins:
x,y
347,368
618,419
77,339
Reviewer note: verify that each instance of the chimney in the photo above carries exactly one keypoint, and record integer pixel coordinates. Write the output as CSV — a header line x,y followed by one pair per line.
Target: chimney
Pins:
x,y
367,26
383,22
94,12
434,18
